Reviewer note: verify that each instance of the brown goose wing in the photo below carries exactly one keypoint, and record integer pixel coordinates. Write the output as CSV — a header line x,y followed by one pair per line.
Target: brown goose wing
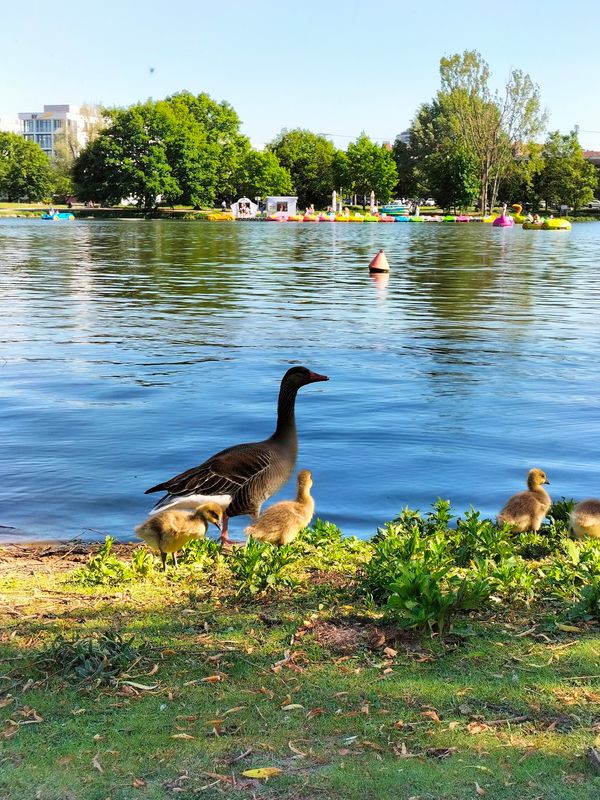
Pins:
x,y
226,473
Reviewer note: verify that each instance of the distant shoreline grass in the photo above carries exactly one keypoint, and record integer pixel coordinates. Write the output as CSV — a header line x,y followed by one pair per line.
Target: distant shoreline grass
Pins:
x,y
120,681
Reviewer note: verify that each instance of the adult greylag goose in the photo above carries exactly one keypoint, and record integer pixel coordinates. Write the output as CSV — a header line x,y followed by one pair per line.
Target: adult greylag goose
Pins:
x,y
526,510
171,529
282,522
242,477
585,519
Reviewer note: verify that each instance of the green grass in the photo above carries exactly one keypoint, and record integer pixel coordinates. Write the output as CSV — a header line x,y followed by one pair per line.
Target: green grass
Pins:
x,y
312,679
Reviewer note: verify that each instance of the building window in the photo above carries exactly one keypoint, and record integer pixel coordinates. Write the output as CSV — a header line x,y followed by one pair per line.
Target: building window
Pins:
x,y
57,123
43,125
45,141
28,125
29,137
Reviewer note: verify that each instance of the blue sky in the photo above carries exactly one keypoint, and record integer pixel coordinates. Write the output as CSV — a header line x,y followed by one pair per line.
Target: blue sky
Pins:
x,y
333,68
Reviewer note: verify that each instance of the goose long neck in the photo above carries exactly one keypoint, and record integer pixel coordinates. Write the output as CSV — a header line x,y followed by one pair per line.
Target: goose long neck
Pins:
x,y
286,417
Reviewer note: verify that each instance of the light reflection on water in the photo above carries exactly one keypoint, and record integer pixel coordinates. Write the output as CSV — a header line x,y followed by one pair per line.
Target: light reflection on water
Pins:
x,y
132,350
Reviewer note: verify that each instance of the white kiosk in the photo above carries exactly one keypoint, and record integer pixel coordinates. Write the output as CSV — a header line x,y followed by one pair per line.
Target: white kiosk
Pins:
x,y
244,208
285,206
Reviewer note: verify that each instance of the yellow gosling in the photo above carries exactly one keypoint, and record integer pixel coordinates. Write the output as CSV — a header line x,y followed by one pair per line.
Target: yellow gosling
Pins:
x,y
526,510
585,519
282,522
168,531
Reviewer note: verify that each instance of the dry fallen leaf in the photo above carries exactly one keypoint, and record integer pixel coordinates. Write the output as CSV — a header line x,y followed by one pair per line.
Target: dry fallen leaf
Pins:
x,y
477,727
481,792
294,749
138,783
291,707
96,764
390,652
315,712
568,628
143,686
213,678
182,736
432,715
262,772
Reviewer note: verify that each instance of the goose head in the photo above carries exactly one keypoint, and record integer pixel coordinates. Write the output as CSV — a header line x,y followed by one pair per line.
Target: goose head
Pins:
x,y
536,477
296,377
210,512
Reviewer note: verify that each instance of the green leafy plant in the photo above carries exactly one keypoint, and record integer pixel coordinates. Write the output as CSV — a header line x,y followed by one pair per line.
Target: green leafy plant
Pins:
x,y
588,608
103,569
480,538
260,567
322,546
421,597
100,657
513,578
106,569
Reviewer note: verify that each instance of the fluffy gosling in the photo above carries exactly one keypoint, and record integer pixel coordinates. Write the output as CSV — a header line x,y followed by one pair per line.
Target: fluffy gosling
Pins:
x,y
526,510
585,519
169,530
282,522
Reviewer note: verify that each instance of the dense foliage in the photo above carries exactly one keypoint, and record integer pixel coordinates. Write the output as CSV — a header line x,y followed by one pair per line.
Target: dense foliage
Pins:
x,y
309,157
420,570
370,167
565,178
186,149
24,169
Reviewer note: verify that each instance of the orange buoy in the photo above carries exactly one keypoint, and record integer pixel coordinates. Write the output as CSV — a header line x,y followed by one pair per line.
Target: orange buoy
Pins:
x,y
379,263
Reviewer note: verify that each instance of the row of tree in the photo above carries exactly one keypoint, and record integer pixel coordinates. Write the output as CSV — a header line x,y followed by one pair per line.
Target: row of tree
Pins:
x,y
189,150
471,143
468,144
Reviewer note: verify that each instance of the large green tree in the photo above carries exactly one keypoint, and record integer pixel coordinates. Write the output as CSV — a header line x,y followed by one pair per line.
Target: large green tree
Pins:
x,y
186,149
260,174
24,169
309,157
371,168
439,165
453,177
489,124
224,147
566,178
130,158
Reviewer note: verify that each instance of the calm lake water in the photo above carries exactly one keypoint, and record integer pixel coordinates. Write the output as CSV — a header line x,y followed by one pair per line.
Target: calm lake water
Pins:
x,y
131,350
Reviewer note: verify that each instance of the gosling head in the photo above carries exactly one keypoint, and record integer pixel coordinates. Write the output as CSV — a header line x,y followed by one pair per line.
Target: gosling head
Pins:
x,y
210,512
305,480
536,477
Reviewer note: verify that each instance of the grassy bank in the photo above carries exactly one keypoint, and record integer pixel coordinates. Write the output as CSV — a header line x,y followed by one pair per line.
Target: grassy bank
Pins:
x,y
442,660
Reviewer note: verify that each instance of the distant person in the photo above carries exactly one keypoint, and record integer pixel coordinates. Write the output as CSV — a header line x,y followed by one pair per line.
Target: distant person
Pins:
x,y
223,206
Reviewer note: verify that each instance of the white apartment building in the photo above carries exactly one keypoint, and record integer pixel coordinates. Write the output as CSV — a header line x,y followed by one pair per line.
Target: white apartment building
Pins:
x,y
42,126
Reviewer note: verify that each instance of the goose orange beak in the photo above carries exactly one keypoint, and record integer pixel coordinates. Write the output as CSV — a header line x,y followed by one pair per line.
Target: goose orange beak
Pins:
x,y
314,377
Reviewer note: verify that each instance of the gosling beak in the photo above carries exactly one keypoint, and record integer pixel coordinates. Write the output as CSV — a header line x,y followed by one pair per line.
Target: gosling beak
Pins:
x,y
219,526
314,377
547,481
